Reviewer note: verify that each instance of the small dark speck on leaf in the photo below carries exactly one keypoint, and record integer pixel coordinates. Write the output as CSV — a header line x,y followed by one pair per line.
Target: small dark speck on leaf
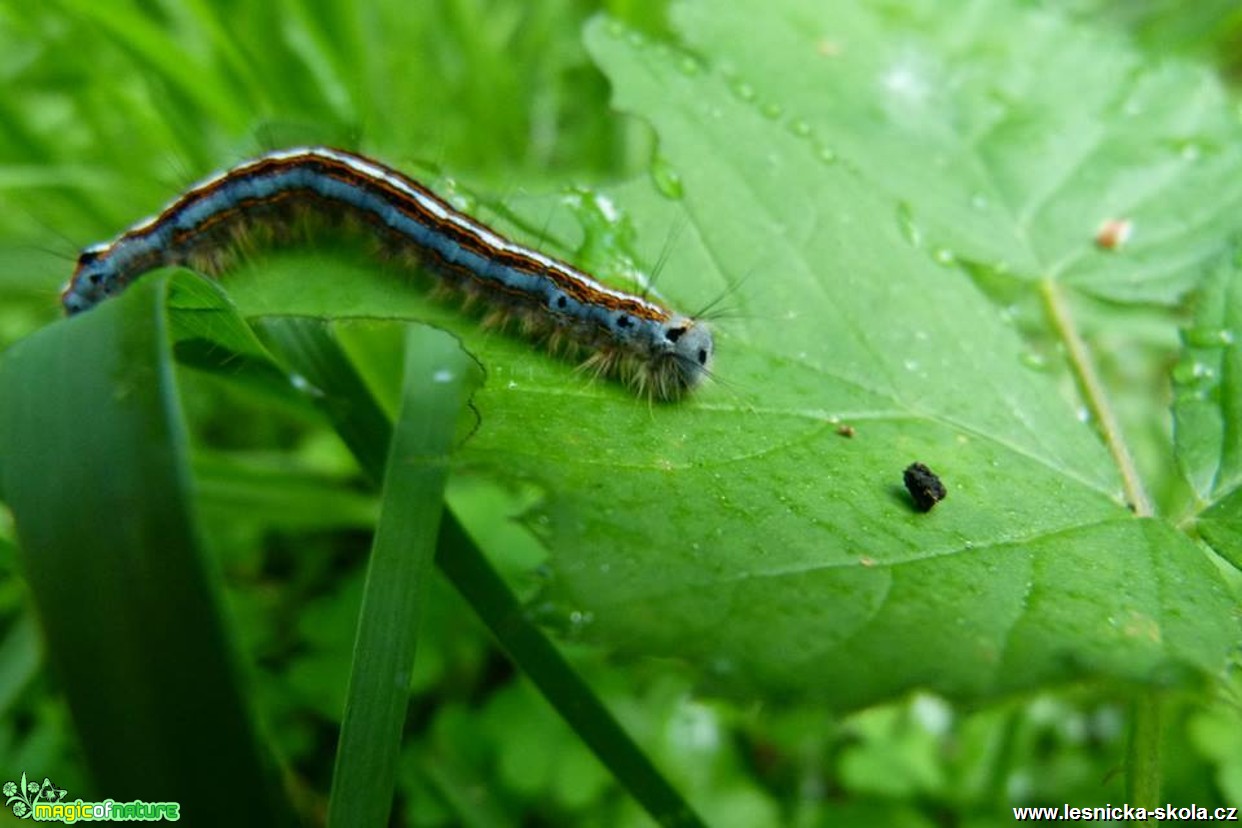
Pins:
x,y
1113,234
924,486
846,430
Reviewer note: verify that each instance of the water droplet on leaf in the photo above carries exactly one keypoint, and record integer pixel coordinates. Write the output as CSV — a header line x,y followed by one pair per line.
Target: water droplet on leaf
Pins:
x,y
666,179
825,153
1208,337
905,223
743,90
1033,360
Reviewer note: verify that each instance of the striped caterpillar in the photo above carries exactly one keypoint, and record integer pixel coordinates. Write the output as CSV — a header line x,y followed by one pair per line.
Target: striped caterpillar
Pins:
x,y
649,347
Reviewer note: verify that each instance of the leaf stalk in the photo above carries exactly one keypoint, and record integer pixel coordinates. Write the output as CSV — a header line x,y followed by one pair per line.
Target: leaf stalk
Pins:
x,y
1094,395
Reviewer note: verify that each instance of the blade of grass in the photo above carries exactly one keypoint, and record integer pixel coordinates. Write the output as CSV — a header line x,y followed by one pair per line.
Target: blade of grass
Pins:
x,y
312,354
20,659
146,42
477,580
94,459
439,378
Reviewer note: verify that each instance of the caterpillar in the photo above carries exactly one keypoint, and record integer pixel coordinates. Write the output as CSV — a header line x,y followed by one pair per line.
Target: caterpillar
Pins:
x,y
647,346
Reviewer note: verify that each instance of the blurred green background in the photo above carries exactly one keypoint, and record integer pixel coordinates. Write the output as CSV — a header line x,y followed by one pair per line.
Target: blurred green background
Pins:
x,y
109,108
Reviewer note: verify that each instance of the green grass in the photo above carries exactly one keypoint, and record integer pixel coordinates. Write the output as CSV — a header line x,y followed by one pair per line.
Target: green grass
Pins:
x,y
898,205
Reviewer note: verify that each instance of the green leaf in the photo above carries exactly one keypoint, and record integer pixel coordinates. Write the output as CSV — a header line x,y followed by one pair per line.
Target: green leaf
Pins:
x,y
439,377
91,430
742,532
1208,409
1008,135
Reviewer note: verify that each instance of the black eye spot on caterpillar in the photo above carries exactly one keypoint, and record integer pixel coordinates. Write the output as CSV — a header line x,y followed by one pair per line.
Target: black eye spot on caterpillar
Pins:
x,y
924,486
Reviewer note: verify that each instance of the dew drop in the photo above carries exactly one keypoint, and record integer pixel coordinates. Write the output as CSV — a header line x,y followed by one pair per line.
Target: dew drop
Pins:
x,y
944,256
825,153
442,376
607,208
466,203
305,386
689,65
800,128
980,202
1192,372
666,179
905,223
1208,337
743,90
1033,360
447,187
695,728
933,713
772,110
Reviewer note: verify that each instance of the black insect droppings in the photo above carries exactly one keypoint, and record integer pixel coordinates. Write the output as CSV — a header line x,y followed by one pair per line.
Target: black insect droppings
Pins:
x,y
924,486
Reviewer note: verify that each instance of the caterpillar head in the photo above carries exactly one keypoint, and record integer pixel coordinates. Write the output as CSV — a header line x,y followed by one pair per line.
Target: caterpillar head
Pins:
x,y
93,281
688,343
